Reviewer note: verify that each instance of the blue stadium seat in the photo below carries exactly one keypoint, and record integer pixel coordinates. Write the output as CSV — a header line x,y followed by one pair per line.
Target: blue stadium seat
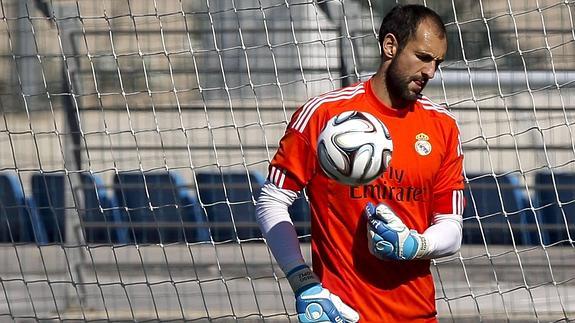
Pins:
x,y
172,205
488,203
552,218
228,196
19,221
100,208
48,192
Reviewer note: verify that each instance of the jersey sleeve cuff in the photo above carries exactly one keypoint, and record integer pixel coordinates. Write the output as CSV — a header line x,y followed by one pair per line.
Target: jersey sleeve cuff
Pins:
x,y
450,202
282,179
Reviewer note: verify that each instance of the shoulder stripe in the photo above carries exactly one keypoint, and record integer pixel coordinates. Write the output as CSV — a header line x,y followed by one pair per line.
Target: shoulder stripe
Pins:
x,y
430,105
318,104
325,95
311,106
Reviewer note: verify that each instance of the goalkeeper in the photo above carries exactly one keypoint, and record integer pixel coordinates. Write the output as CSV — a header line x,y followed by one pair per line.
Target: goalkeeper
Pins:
x,y
371,244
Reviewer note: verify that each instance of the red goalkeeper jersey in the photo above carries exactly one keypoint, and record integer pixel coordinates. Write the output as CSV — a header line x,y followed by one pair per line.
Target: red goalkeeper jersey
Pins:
x,y
423,179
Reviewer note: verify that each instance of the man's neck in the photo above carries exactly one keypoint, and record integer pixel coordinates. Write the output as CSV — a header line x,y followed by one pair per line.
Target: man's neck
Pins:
x,y
380,90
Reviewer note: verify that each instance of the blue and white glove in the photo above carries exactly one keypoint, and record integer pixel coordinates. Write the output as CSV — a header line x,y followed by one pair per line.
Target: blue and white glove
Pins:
x,y
389,238
315,303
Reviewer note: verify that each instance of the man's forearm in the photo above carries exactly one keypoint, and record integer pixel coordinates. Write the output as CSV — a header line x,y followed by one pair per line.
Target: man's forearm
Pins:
x,y
443,237
276,225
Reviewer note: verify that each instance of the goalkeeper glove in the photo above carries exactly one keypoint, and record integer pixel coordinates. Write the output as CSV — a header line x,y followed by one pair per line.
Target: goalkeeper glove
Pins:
x,y
315,303
389,238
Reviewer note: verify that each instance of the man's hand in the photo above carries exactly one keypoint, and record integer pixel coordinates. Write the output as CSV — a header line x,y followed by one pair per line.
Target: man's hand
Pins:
x,y
315,303
389,238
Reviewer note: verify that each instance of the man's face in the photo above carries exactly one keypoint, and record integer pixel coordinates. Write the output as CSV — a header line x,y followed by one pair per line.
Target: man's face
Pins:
x,y
414,65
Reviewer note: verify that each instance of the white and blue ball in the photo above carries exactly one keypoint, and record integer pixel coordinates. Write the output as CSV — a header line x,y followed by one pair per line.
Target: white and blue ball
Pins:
x,y
354,148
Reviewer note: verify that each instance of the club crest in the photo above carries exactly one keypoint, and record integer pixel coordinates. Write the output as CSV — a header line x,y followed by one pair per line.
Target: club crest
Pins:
x,y
422,144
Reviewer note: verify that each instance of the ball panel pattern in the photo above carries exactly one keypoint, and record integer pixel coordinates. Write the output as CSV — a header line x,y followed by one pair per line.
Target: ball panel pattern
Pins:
x,y
354,148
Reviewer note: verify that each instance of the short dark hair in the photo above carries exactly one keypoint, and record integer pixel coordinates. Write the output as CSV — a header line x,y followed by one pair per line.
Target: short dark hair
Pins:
x,y
402,21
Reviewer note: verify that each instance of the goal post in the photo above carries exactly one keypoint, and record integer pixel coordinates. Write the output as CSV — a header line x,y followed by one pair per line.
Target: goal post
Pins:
x,y
135,137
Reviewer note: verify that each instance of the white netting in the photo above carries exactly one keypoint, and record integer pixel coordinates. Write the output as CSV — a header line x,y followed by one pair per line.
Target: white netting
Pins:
x,y
135,136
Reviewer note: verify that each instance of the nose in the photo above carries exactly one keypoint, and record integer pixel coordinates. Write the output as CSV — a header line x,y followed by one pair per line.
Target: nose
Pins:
x,y
429,70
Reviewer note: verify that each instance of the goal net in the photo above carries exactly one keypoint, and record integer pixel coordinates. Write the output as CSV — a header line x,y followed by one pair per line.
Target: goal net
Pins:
x,y
135,137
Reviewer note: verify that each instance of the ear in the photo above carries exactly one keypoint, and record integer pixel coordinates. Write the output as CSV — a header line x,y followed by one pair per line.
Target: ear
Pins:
x,y
389,46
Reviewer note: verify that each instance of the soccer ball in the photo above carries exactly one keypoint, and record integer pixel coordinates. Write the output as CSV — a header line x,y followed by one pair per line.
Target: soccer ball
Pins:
x,y
354,148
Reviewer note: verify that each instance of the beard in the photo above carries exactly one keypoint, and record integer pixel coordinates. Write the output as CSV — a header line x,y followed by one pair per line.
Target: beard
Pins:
x,y
398,84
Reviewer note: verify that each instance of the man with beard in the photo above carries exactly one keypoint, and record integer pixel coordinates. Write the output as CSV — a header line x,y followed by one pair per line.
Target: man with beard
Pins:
x,y
370,251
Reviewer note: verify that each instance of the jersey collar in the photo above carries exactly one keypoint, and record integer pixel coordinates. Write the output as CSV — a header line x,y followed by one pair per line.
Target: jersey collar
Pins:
x,y
381,106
